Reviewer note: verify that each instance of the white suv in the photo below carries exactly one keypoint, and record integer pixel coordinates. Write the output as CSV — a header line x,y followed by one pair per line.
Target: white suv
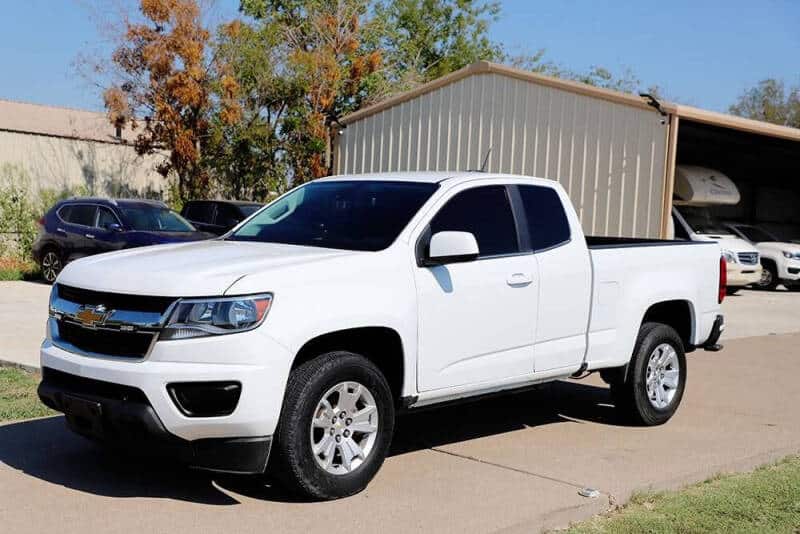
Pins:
x,y
780,259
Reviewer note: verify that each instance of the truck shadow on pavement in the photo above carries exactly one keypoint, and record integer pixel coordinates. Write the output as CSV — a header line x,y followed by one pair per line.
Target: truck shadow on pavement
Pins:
x,y
46,450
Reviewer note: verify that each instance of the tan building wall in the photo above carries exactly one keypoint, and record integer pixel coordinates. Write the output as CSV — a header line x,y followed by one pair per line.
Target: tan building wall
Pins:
x,y
607,150
61,148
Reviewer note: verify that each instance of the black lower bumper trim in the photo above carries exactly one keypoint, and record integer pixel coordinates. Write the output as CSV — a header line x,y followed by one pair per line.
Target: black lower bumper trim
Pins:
x,y
716,331
123,417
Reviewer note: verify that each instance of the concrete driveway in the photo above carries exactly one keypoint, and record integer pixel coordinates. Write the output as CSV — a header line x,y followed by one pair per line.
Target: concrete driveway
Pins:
x,y
511,464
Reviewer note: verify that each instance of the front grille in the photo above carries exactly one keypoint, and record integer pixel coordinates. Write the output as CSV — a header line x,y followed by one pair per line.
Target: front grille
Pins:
x,y
748,258
115,301
105,341
90,387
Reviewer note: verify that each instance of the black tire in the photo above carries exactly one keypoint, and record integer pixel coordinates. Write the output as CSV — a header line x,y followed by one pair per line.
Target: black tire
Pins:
x,y
792,287
51,263
293,462
769,280
631,395
732,290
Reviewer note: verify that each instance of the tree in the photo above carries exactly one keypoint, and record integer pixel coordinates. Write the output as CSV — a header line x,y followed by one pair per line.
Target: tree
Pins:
x,y
165,90
426,39
770,101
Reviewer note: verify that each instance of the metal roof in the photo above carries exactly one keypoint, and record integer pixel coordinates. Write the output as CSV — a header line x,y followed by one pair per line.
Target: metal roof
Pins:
x,y
485,67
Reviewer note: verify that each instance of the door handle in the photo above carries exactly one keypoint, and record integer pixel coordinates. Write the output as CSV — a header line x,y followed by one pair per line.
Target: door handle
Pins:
x,y
519,279
61,231
90,236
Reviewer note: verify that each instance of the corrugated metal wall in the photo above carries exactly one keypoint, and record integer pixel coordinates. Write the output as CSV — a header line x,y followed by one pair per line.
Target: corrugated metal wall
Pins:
x,y
610,157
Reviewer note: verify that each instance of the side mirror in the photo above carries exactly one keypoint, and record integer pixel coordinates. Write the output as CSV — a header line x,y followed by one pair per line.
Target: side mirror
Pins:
x,y
114,227
452,247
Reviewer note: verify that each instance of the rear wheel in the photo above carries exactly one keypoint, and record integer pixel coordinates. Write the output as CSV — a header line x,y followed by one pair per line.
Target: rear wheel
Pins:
x,y
654,383
51,264
336,426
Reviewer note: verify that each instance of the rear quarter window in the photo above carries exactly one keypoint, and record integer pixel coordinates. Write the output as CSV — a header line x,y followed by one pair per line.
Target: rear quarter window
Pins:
x,y
548,225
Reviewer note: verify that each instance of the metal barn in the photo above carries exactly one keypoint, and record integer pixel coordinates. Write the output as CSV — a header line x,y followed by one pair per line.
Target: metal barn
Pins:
x,y
613,153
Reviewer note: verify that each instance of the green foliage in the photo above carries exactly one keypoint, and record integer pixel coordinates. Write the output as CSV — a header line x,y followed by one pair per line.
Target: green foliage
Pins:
x,y
18,399
20,210
426,39
767,500
771,101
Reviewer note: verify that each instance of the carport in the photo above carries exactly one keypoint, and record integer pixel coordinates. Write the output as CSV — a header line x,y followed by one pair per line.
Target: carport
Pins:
x,y
763,160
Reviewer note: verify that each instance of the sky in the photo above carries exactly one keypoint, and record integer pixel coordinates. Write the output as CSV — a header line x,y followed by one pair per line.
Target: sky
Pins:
x,y
700,52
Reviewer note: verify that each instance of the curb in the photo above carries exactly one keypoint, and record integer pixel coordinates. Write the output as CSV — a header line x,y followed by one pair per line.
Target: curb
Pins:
x,y
17,365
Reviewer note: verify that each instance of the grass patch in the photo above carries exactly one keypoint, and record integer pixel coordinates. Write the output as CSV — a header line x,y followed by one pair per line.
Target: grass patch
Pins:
x,y
766,500
18,399
12,269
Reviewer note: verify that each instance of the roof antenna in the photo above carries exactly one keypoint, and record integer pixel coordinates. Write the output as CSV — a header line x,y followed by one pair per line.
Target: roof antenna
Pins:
x,y
486,160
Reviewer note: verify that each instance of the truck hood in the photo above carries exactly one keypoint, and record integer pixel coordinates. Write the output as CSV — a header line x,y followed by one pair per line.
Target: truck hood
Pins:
x,y
202,268
778,246
728,242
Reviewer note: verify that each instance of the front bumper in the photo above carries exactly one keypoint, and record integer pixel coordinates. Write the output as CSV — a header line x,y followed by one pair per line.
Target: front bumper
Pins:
x,y
790,271
743,275
124,417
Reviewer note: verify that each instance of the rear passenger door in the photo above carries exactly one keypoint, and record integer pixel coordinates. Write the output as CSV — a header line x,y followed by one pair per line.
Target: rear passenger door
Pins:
x,y
476,319
78,221
565,272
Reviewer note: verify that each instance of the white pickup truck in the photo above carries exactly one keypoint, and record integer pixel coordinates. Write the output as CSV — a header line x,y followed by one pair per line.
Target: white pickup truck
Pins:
x,y
288,345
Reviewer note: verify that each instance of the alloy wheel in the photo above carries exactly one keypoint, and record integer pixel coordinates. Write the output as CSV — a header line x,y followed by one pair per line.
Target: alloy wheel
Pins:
x,y
663,376
51,266
344,428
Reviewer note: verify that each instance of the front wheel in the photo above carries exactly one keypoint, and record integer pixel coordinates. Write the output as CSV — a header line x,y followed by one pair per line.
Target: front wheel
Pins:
x,y
769,277
656,377
336,426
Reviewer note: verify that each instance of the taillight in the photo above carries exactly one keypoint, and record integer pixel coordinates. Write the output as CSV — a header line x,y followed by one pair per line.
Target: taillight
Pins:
x,y
723,278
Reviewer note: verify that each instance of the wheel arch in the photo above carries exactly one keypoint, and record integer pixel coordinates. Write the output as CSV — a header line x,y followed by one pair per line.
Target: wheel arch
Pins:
x,y
382,345
678,314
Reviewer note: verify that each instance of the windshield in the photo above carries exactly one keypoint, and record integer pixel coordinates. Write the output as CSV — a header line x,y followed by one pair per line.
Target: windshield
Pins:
x,y
352,215
701,221
756,235
155,219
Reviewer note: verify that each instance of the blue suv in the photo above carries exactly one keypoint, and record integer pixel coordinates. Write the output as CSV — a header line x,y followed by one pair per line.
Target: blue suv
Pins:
x,y
81,227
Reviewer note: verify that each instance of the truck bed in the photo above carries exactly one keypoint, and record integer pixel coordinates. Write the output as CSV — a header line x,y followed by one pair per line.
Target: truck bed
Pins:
x,y
599,242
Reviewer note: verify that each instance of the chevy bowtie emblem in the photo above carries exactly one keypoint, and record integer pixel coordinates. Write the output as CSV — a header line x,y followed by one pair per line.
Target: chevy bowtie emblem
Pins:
x,y
92,315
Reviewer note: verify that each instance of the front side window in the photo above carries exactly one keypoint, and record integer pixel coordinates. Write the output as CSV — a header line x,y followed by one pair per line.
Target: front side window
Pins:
x,y
756,235
155,219
486,213
105,218
347,214
547,221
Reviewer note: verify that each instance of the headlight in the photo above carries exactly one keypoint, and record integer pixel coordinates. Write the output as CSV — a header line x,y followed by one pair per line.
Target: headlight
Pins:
x,y
729,256
215,316
791,255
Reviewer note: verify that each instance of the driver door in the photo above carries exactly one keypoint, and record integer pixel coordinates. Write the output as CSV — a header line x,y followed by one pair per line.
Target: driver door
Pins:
x,y
477,319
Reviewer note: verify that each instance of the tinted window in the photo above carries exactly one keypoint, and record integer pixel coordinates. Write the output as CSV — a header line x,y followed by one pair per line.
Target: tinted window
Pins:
x,y
228,215
82,214
105,217
249,209
547,221
155,219
756,235
353,215
486,213
200,211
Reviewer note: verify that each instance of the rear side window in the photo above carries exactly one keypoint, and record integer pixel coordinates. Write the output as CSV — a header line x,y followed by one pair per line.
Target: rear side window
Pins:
x,y
202,212
82,214
547,221
228,215
486,213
